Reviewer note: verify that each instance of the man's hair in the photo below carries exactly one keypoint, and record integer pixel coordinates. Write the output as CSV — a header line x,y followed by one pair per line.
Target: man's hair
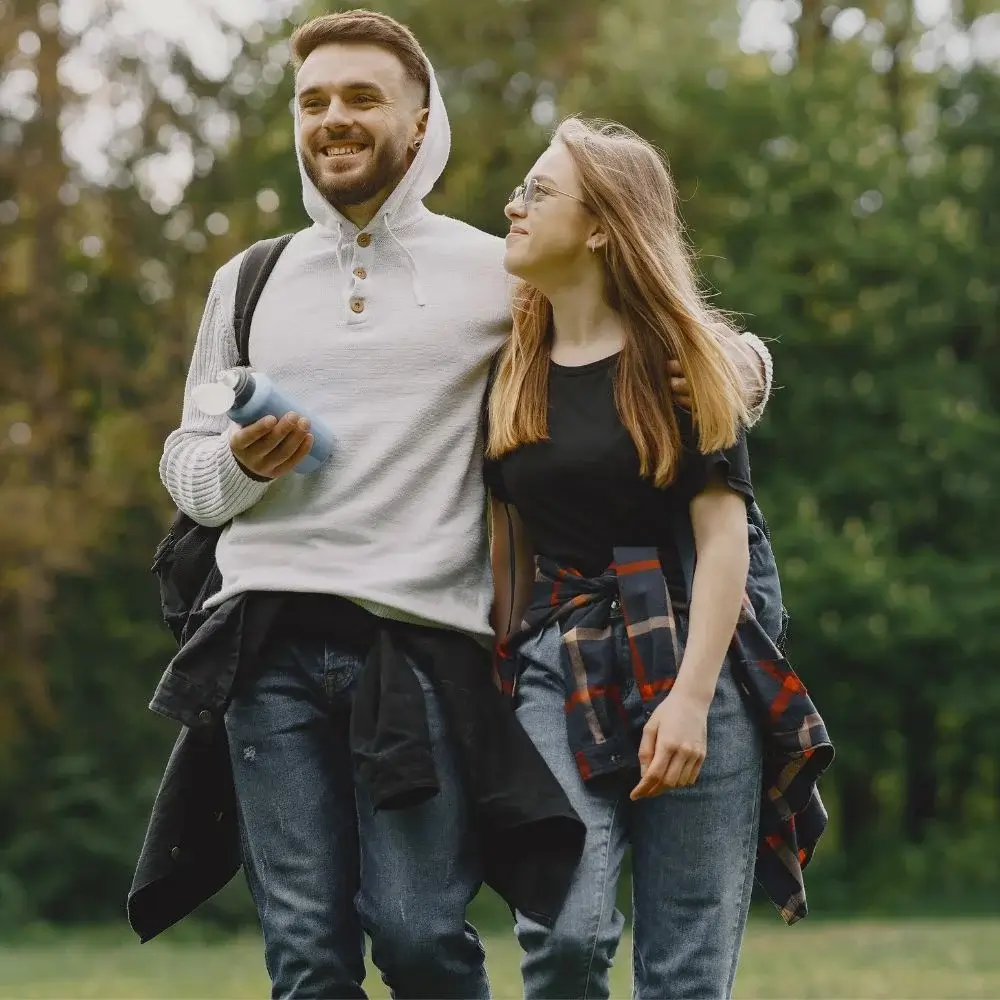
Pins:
x,y
364,27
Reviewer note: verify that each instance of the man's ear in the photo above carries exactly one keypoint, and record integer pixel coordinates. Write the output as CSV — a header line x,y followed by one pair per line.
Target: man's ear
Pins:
x,y
420,128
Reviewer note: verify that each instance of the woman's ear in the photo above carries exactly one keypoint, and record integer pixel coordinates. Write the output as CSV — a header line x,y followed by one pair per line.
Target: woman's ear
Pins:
x,y
596,241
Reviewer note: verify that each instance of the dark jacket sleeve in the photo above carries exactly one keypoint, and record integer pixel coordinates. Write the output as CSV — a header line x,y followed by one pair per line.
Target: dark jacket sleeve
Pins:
x,y
191,848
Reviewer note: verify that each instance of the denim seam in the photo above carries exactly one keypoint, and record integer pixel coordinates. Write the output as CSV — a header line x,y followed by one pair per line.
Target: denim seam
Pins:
x,y
748,875
603,892
260,897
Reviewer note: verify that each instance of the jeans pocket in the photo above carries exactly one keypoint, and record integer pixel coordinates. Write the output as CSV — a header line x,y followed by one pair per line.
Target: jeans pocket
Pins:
x,y
341,669
280,662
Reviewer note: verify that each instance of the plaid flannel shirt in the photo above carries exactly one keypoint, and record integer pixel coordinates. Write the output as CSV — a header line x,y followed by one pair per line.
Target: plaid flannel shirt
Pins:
x,y
602,729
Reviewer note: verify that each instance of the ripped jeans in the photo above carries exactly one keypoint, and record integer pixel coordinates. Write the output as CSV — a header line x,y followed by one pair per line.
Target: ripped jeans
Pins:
x,y
322,865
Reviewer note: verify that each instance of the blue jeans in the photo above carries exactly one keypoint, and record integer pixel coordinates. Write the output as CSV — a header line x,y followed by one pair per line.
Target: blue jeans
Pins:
x,y
322,866
693,855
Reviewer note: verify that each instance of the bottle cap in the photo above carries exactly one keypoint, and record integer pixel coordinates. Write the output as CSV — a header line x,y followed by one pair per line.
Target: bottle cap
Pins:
x,y
213,398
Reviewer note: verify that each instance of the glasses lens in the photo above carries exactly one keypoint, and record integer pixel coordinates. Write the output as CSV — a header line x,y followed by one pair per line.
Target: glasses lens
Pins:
x,y
516,195
530,189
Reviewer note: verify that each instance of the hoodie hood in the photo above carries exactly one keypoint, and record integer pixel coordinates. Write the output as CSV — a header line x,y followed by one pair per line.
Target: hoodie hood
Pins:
x,y
407,198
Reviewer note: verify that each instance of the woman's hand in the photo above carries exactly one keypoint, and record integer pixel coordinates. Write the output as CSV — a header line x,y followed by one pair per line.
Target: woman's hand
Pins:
x,y
674,744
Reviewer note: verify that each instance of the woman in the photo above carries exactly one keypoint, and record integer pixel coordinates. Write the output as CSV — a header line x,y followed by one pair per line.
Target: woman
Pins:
x,y
606,490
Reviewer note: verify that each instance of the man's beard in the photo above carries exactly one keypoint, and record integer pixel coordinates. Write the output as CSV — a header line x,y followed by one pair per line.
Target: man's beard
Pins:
x,y
387,168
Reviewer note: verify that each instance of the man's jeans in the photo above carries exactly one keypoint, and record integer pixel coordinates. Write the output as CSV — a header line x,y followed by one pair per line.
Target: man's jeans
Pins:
x,y
322,866
693,854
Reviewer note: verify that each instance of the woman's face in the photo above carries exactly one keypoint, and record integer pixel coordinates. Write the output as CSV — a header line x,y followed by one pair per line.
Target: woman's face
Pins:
x,y
549,224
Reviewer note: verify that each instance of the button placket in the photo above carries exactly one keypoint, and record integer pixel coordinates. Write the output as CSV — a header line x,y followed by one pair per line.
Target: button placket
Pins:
x,y
360,266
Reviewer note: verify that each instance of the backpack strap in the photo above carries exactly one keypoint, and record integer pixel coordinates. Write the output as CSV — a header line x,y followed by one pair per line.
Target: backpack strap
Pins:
x,y
255,268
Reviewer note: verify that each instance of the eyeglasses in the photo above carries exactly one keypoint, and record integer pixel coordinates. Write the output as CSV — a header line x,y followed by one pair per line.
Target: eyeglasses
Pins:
x,y
528,193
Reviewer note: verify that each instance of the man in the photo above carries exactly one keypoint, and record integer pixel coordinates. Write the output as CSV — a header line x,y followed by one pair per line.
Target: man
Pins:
x,y
382,319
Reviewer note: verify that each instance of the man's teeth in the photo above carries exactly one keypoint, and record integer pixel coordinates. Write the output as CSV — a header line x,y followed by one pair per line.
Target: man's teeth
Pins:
x,y
342,150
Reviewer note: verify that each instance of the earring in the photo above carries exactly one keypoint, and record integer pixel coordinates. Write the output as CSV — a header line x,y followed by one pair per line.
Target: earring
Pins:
x,y
417,143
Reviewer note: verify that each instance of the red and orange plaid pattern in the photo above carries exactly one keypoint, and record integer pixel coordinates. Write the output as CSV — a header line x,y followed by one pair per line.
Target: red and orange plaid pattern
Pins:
x,y
599,667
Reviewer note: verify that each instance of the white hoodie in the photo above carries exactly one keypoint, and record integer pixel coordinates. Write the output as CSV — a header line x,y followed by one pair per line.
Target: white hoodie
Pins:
x,y
395,519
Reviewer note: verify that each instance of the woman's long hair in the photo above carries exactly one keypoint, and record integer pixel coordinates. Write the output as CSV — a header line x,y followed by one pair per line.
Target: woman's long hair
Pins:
x,y
650,281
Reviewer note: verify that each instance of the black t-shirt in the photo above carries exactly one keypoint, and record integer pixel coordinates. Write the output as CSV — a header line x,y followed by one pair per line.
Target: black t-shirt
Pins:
x,y
580,494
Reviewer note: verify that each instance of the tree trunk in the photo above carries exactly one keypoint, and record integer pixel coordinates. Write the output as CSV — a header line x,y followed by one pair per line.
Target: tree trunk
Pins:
x,y
37,484
812,32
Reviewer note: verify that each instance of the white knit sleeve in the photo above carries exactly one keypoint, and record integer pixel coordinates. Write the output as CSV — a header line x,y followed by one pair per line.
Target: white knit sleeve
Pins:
x,y
197,467
758,347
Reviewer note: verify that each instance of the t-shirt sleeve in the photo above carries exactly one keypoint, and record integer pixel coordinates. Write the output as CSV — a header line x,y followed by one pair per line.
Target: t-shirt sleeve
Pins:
x,y
493,477
698,469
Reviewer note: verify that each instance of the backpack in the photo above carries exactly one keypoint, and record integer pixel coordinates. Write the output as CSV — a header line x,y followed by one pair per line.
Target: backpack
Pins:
x,y
184,563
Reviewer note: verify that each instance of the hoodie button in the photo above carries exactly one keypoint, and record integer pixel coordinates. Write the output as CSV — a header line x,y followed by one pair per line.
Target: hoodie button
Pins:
x,y
364,239
357,305
360,272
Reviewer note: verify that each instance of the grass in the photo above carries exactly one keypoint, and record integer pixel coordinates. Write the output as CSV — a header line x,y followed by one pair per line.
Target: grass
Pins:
x,y
865,960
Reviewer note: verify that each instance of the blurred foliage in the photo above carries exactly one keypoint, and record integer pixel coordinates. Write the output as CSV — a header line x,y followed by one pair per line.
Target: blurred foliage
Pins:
x,y
846,205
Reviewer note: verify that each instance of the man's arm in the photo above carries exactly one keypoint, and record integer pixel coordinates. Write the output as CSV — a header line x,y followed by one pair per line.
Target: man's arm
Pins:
x,y
757,369
198,467
754,365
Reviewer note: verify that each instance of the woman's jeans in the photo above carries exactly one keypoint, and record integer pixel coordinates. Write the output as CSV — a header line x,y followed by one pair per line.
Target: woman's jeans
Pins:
x,y
693,853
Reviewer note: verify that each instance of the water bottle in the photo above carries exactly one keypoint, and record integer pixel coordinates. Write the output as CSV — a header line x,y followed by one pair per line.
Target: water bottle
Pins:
x,y
246,396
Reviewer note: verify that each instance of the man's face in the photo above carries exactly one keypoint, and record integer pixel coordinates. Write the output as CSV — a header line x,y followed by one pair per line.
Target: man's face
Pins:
x,y
360,115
